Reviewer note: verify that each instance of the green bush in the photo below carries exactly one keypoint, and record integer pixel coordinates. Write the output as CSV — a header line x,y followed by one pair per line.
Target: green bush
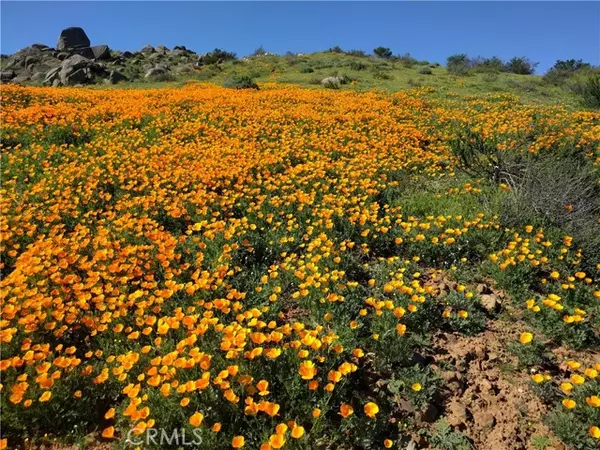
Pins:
x,y
358,53
425,70
588,88
240,82
357,65
458,64
380,75
520,66
382,52
218,56
563,70
306,69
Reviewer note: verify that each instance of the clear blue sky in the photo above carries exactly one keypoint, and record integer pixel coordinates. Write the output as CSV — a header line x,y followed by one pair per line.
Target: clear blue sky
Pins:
x,y
542,31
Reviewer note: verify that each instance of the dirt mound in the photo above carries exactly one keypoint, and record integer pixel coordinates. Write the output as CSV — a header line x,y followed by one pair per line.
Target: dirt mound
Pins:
x,y
490,402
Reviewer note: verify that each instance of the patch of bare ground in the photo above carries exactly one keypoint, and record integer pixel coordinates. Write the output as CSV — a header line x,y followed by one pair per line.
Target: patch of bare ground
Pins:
x,y
489,401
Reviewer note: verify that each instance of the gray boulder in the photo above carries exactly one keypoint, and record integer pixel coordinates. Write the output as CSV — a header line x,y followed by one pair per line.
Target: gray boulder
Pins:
x,y
72,38
7,75
155,72
40,47
147,50
101,52
80,76
62,56
77,69
38,77
52,75
86,52
334,81
20,78
162,50
114,77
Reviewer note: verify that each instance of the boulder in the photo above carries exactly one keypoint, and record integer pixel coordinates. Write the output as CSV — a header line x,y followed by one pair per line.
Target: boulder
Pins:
x,y
77,69
162,49
114,77
72,38
127,55
332,81
40,47
7,75
52,75
155,72
20,78
80,76
38,77
86,52
62,56
147,50
101,52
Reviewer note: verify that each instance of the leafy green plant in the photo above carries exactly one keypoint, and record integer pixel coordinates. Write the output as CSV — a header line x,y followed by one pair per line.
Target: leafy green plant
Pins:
x,y
240,82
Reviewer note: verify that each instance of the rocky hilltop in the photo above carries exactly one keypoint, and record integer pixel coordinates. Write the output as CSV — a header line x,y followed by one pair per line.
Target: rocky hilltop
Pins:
x,y
75,61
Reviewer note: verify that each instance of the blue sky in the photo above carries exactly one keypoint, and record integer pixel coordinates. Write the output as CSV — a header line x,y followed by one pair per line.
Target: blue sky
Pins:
x,y
542,31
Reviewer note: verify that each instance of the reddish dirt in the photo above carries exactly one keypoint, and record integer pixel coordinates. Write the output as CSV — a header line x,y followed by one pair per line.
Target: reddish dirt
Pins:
x,y
490,402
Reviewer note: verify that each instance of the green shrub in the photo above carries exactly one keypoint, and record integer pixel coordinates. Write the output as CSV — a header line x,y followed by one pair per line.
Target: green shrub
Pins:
x,y
306,69
406,60
358,53
520,66
588,88
260,51
458,64
382,52
380,75
563,70
163,77
357,65
240,82
218,56
425,70
490,77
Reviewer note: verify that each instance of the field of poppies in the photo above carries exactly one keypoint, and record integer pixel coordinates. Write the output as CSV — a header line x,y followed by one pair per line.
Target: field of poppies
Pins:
x,y
289,268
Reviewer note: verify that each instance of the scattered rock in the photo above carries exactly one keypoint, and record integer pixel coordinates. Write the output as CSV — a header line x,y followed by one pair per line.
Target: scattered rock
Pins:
x,y
490,302
20,78
7,75
457,413
147,50
114,77
334,81
155,72
101,52
72,38
38,77
52,75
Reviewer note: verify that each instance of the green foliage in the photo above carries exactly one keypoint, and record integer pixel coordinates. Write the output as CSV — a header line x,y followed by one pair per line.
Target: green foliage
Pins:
x,y
520,66
563,70
381,75
443,437
569,429
218,56
382,52
260,51
240,82
458,64
588,88
425,70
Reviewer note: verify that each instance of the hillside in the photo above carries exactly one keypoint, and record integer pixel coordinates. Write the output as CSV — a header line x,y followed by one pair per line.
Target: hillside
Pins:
x,y
75,63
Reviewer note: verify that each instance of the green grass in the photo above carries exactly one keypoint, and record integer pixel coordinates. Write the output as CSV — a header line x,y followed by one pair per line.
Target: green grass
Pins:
x,y
372,73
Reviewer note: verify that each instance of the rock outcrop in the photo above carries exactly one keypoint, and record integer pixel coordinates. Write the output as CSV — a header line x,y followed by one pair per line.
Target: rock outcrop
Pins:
x,y
75,61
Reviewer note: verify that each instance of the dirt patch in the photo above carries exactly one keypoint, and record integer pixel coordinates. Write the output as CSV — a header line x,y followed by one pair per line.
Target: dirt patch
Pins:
x,y
489,400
